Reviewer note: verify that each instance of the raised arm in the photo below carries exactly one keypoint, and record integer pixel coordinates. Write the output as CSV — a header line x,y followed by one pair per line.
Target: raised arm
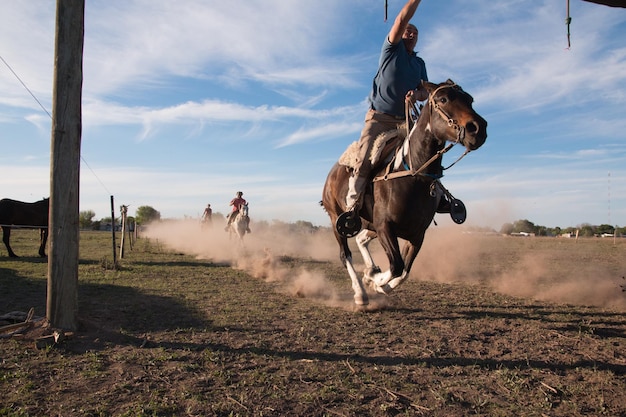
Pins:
x,y
402,21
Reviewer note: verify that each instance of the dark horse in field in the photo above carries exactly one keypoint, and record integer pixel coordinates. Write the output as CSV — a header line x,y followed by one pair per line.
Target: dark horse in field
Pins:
x,y
18,214
401,202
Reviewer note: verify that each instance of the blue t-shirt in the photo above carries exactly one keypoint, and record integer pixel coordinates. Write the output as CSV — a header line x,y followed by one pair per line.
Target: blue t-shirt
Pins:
x,y
398,72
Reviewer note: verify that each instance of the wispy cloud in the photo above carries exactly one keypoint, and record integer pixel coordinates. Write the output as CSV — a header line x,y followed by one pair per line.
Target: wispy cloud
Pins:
x,y
187,101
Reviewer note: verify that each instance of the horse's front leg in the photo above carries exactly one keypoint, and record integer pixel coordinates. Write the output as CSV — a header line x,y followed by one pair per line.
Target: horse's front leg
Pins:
x,y
410,251
389,242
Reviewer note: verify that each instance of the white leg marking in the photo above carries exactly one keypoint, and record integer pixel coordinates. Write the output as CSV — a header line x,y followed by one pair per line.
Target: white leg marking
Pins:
x,y
362,242
382,278
360,295
389,286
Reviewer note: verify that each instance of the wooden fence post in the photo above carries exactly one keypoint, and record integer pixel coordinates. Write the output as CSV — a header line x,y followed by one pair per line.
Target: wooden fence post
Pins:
x,y
62,296
113,232
123,210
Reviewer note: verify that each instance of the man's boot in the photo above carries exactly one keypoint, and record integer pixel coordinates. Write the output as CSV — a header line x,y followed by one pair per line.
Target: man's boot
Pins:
x,y
349,223
356,185
454,206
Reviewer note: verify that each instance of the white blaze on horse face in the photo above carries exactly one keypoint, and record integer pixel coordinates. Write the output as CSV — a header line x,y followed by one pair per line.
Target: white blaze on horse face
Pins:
x,y
428,128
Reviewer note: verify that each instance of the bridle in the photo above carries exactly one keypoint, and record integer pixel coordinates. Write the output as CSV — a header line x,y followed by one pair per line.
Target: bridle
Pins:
x,y
460,130
460,136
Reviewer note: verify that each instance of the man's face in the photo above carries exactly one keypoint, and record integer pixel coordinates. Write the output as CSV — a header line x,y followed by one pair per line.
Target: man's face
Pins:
x,y
410,38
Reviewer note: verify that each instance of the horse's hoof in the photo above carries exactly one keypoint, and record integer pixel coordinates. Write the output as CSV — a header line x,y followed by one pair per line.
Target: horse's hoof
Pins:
x,y
384,289
361,301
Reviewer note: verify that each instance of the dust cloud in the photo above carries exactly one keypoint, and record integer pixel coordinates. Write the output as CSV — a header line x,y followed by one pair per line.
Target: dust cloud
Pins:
x,y
260,255
546,269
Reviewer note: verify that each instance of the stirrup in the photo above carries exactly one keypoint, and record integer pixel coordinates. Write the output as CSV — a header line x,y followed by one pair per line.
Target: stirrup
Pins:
x,y
348,224
457,211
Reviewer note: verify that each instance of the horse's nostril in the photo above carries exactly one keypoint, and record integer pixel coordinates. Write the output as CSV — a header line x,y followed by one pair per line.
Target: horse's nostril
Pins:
x,y
471,127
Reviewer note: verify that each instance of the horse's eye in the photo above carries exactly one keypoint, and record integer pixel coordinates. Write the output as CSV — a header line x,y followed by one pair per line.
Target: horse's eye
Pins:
x,y
443,100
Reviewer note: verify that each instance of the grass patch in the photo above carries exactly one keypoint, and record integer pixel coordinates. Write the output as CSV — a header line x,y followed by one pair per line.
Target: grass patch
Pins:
x,y
172,331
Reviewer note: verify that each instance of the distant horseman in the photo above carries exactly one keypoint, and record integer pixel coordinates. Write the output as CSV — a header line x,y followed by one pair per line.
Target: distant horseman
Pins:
x,y
236,203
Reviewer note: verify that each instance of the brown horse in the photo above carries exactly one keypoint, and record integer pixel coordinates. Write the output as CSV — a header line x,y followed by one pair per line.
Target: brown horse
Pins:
x,y
402,202
18,214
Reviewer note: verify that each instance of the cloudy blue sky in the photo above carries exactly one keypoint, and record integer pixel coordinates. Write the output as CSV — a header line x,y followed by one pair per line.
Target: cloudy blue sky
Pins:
x,y
186,102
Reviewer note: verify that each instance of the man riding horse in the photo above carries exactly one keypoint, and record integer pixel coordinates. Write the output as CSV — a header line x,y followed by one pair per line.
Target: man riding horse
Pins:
x,y
398,205
236,203
398,82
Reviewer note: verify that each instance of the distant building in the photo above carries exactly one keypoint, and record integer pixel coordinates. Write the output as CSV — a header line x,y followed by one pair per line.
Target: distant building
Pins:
x,y
523,234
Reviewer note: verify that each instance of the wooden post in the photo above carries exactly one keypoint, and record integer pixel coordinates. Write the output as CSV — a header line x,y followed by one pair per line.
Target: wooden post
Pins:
x,y
130,234
123,211
113,231
62,297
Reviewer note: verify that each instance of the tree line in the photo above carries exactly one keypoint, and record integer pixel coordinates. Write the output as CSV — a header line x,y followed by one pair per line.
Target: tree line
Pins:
x,y
147,214
143,215
584,230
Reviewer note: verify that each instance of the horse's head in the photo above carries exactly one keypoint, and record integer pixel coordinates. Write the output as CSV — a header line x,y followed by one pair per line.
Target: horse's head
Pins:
x,y
244,209
452,117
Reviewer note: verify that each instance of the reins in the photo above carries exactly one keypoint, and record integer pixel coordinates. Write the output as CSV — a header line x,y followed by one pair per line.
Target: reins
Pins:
x,y
410,106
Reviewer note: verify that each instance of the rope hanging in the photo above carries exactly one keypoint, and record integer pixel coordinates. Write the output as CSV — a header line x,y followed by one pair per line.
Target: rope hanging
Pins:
x,y
568,20
386,10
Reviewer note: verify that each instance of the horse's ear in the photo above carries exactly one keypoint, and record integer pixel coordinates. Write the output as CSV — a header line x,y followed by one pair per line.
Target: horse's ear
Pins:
x,y
450,82
430,87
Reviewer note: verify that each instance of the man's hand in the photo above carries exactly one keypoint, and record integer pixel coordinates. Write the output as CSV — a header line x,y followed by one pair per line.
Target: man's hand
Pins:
x,y
419,94
416,95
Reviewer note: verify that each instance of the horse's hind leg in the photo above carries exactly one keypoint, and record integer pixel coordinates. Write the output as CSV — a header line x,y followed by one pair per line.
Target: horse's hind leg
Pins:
x,y
43,238
360,294
363,239
6,235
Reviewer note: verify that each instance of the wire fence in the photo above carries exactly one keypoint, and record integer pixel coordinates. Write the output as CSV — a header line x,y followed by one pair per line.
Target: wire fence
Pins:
x,y
23,226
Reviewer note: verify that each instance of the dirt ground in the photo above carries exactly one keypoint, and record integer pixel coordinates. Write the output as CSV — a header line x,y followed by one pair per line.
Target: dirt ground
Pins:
x,y
275,333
